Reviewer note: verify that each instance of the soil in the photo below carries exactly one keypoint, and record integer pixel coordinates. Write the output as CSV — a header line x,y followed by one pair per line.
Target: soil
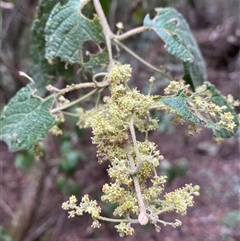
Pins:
x,y
214,167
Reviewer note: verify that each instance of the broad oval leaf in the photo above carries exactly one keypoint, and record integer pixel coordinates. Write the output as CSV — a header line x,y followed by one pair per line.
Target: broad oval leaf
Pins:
x,y
67,29
41,71
25,120
172,28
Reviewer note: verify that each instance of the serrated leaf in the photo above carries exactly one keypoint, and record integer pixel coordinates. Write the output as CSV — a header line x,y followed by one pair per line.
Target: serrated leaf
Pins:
x,y
179,105
172,28
219,100
66,31
25,120
41,71
165,24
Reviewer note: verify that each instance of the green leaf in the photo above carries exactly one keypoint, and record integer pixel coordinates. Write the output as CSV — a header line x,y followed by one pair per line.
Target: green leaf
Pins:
x,y
232,219
179,105
69,162
25,120
172,28
66,31
219,100
41,71
106,5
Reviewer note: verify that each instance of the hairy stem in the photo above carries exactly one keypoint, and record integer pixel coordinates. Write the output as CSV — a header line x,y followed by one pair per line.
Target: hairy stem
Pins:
x,y
74,102
81,86
142,217
106,29
134,139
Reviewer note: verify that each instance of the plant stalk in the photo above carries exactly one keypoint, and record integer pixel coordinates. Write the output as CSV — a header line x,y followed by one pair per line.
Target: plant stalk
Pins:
x,y
124,47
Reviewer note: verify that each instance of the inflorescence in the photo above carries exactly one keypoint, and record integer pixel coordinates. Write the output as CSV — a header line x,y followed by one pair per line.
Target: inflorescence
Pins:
x,y
135,185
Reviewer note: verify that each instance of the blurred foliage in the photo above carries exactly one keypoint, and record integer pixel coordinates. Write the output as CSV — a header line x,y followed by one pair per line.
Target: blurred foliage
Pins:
x,y
232,219
69,160
24,159
4,235
69,157
173,171
230,225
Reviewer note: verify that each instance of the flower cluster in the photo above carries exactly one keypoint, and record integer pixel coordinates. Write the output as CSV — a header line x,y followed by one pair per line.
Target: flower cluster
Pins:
x,y
174,87
180,199
86,205
134,184
206,104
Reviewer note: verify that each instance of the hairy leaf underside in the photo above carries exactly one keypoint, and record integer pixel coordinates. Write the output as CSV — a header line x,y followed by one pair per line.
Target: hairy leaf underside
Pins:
x,y
172,28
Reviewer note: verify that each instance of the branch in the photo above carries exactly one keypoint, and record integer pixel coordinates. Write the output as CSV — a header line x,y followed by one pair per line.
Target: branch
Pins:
x,y
106,29
142,217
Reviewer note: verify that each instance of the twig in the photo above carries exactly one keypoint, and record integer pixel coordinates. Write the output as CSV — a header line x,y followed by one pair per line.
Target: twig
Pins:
x,y
94,84
114,40
130,33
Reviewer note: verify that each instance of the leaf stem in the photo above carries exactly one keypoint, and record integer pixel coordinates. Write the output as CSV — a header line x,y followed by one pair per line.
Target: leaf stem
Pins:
x,y
117,220
70,114
74,102
130,33
114,40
